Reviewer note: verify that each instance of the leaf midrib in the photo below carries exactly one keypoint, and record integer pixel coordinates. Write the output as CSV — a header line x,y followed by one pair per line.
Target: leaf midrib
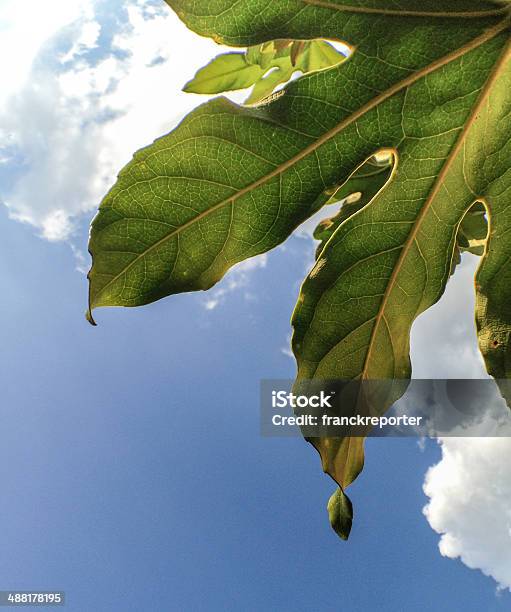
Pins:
x,y
431,198
473,44
406,13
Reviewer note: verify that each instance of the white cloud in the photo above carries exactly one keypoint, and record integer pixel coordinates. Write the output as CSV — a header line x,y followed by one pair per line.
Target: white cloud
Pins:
x,y
87,39
443,340
469,490
470,504
75,113
286,349
25,30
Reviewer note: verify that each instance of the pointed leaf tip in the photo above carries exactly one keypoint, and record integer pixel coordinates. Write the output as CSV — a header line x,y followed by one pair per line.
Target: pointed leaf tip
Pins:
x,y
90,318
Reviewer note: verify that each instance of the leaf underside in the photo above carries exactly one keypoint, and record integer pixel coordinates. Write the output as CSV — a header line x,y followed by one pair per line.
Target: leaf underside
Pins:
x,y
264,67
429,83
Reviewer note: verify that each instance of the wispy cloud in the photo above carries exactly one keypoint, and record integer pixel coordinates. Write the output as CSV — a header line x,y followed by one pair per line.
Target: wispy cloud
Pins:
x,y
83,95
286,349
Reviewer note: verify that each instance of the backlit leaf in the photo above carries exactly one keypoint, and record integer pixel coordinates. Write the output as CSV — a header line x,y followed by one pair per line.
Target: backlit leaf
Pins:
x,y
225,73
340,513
428,82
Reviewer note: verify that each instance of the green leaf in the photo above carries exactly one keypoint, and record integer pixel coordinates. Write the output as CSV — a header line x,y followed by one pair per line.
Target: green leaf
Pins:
x,y
282,70
358,191
391,261
429,81
317,55
340,513
225,73
300,56
264,66
232,182
473,230
249,22
296,49
487,165
253,54
267,55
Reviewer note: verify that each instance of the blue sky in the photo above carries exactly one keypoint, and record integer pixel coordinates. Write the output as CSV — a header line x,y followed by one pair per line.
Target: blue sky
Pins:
x,y
132,470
